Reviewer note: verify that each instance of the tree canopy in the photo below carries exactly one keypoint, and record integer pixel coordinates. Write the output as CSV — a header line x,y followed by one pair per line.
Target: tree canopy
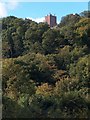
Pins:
x,y
46,71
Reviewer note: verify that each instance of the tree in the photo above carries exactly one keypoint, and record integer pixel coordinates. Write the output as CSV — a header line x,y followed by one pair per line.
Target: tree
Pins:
x,y
82,32
69,20
85,14
51,41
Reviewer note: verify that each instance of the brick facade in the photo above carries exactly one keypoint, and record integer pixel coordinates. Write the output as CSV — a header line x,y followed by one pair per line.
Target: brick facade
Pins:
x,y
51,20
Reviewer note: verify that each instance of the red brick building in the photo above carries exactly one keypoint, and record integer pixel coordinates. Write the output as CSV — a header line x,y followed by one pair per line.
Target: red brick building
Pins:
x,y
51,20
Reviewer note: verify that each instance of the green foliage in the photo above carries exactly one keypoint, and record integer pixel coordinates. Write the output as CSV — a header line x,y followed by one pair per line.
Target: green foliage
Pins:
x,y
10,108
69,20
81,70
46,71
83,31
51,41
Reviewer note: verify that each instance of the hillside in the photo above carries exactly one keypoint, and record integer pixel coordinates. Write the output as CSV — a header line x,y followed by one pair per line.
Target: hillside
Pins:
x,y
46,71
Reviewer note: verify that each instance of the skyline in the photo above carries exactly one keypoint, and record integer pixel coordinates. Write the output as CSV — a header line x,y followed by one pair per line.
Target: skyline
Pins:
x,y
38,10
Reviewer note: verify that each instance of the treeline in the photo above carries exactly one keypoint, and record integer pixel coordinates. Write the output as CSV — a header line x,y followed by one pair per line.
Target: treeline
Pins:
x,y
21,36
46,71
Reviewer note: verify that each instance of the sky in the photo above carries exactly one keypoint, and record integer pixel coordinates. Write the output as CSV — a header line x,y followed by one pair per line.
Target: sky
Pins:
x,y
37,10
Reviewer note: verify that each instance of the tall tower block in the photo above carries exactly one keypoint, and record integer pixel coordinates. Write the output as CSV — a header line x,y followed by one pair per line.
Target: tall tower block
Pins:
x,y
51,20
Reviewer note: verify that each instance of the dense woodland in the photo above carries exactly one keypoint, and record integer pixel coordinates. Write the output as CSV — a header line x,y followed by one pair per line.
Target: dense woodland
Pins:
x,y
46,71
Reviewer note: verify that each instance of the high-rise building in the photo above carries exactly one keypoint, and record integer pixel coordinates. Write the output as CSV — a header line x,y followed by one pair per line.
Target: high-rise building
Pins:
x,y
51,20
